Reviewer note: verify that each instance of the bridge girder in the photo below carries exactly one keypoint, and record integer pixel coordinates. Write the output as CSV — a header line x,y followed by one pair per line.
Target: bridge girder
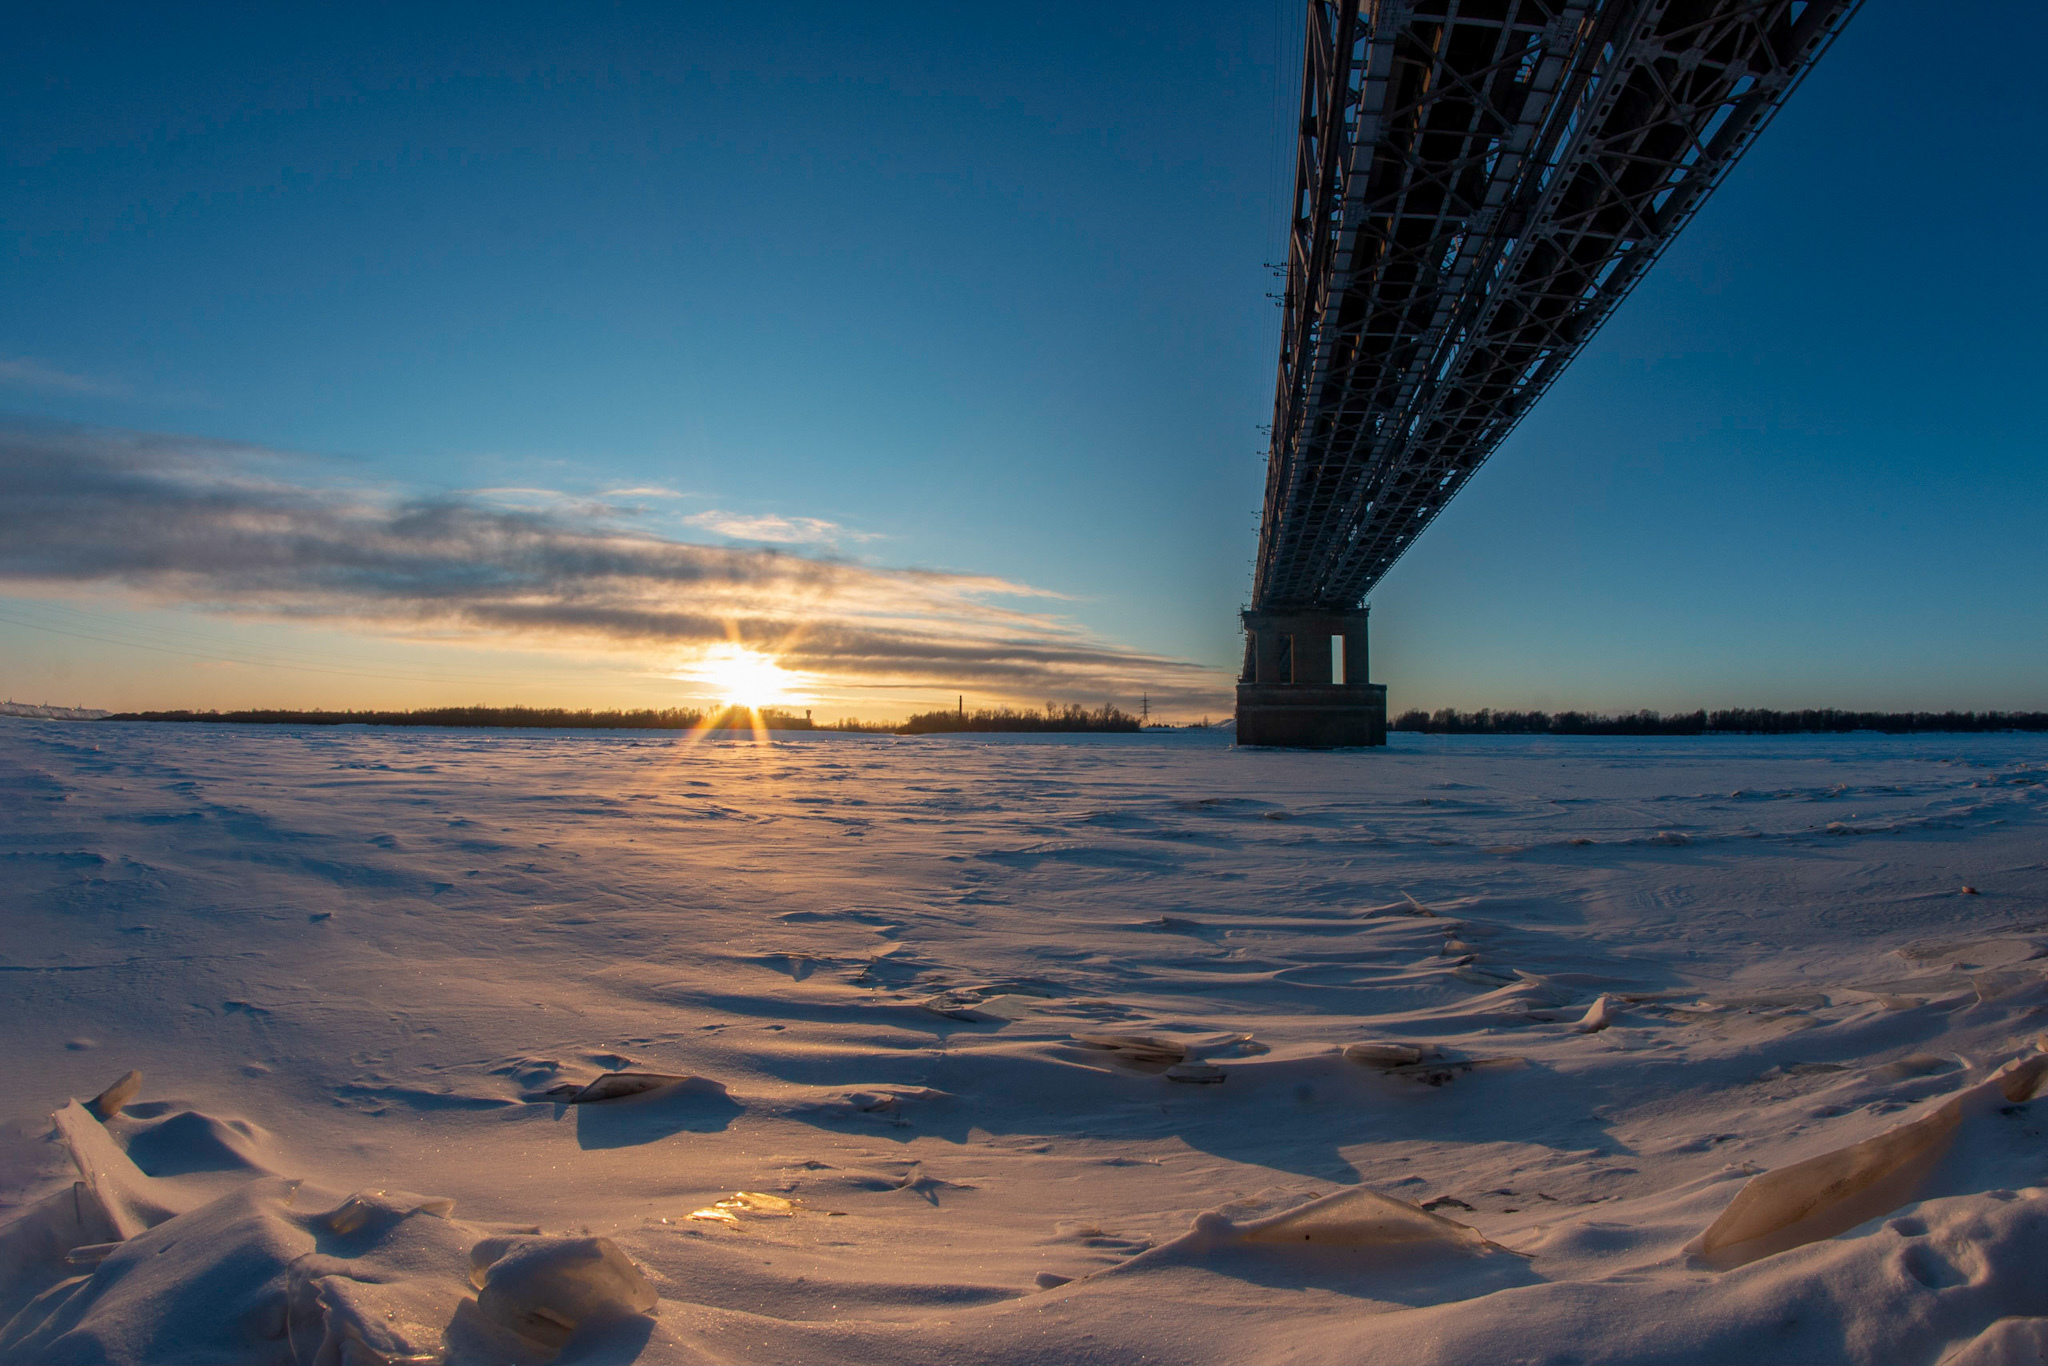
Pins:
x,y
1478,184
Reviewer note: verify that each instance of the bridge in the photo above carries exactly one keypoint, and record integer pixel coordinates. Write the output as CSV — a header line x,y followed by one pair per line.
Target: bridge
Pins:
x,y
1478,184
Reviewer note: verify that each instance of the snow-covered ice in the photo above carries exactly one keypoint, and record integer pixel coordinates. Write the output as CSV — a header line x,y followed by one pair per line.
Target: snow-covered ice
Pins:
x,y
1000,1049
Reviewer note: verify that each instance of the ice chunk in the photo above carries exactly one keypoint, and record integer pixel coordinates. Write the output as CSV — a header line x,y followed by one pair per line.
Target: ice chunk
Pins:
x,y
108,1103
1420,1062
89,1254
249,1278
1217,1045
545,1288
111,1202
1358,1217
1832,1193
382,1209
1826,1195
2019,1079
203,1286
1139,1050
334,1317
618,1085
1198,1072
131,1201
976,1009
1009,1006
1598,1016
1382,1054
756,1204
2007,1342
760,1202
36,1243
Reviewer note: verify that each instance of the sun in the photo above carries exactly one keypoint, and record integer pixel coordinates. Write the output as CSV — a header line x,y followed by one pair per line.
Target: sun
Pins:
x,y
742,677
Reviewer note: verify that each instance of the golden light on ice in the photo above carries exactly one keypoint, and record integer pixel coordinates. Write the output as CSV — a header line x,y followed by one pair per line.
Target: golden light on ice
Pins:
x,y
742,677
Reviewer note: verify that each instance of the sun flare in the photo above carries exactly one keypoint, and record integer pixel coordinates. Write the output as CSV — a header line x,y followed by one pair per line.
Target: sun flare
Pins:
x,y
741,677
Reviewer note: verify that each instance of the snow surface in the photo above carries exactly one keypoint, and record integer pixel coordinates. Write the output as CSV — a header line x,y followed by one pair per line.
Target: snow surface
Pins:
x,y
352,965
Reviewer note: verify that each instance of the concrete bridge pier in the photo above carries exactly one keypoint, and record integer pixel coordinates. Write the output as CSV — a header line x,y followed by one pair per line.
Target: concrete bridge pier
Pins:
x,y
1304,681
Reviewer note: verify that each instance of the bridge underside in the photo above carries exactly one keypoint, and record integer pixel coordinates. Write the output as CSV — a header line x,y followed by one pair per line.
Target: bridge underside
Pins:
x,y
1478,184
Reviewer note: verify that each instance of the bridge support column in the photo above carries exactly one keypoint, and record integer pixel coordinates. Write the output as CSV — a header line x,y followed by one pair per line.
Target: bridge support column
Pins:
x,y
1304,682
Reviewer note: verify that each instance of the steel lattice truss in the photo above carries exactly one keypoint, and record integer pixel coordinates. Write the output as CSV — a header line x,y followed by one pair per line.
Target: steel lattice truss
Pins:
x,y
1479,183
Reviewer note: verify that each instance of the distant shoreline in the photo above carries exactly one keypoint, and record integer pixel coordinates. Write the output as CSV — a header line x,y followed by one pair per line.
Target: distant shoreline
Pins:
x,y
1076,720
1742,721
1053,720
46,711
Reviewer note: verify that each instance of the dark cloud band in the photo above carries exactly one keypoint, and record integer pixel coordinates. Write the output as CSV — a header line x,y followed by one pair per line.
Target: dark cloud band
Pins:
x,y
224,527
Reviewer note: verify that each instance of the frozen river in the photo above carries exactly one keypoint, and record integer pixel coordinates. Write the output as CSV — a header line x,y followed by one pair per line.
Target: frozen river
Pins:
x,y
1637,972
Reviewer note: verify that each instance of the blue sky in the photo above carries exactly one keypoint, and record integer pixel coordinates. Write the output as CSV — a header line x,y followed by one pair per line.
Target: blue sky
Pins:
x,y
975,294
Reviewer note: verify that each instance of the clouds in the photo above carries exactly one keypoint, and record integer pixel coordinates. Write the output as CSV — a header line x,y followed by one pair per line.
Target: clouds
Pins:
x,y
231,529
781,530
23,372
644,491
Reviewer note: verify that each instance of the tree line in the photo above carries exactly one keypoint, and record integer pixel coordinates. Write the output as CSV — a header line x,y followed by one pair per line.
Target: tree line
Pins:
x,y
1068,718
1054,718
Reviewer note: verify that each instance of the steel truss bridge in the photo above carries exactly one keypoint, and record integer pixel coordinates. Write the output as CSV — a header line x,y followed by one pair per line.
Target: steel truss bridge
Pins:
x,y
1478,184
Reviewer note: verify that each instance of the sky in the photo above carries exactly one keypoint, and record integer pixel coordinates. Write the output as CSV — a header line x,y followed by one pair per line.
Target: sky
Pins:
x,y
411,356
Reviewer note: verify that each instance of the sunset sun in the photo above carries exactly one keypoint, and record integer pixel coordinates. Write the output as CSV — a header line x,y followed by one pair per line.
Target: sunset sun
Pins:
x,y
741,677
